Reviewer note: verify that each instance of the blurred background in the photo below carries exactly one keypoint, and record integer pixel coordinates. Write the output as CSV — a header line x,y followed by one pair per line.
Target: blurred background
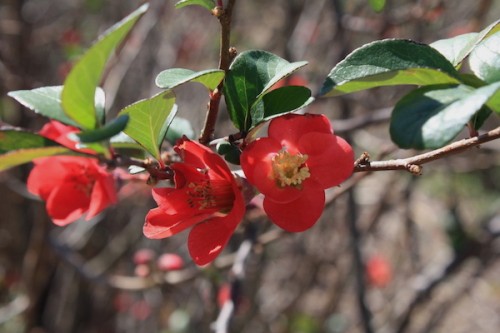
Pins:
x,y
393,252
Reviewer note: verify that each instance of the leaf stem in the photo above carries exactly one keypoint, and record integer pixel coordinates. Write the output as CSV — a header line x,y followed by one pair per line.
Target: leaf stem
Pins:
x,y
225,57
414,164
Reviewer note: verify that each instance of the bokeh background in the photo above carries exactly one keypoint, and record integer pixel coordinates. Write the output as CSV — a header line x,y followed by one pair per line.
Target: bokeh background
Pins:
x,y
393,252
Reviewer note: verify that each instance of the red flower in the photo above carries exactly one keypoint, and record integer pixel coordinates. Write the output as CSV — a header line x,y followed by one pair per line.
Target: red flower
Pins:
x,y
71,187
378,271
206,196
293,166
60,133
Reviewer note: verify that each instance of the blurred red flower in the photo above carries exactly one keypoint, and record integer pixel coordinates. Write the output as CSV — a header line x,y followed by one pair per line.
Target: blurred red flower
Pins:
x,y
72,186
300,158
206,197
378,271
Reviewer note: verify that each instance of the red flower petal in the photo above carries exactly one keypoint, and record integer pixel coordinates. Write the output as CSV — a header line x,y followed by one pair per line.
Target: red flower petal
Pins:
x,y
330,158
289,128
159,224
256,162
300,214
103,195
43,177
66,203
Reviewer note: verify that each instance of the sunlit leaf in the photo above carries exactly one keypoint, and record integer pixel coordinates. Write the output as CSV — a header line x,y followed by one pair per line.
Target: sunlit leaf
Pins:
x,y
377,5
387,63
78,94
430,117
171,78
149,120
485,59
457,48
208,4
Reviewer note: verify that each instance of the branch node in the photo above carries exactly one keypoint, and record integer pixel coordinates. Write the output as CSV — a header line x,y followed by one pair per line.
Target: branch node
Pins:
x,y
415,169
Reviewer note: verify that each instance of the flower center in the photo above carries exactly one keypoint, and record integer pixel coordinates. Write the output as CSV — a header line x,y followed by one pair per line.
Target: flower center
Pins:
x,y
83,179
215,195
290,170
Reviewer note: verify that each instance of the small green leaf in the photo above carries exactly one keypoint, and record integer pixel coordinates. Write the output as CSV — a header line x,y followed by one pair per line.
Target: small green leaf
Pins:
x,y
377,5
149,120
18,147
386,63
174,77
251,75
430,117
109,130
78,95
230,152
178,128
280,101
484,60
208,4
45,101
457,48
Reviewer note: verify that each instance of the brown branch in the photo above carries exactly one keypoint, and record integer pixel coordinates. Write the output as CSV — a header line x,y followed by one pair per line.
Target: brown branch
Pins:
x,y
226,56
414,164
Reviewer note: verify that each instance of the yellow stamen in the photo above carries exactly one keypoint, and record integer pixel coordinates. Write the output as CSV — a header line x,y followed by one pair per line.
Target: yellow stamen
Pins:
x,y
290,170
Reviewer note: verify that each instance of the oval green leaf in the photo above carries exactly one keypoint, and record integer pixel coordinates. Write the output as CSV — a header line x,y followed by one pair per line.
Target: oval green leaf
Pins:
x,y
251,75
430,117
149,120
457,48
484,60
106,132
208,4
386,63
18,147
171,78
78,94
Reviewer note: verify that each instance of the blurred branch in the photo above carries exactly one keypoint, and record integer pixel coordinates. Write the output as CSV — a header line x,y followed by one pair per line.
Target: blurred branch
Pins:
x,y
414,164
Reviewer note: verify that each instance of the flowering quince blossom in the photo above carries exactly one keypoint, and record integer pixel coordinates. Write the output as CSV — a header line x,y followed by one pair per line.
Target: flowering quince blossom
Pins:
x,y
206,197
71,186
292,167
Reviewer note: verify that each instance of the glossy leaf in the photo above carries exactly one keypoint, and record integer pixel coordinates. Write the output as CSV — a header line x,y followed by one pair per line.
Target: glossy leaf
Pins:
x,y
251,75
377,5
18,147
174,77
457,48
430,117
149,120
387,63
485,59
78,95
106,132
208,4
280,101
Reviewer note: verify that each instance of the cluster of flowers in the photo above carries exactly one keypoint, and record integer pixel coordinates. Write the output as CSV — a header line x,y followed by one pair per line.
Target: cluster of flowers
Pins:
x,y
291,168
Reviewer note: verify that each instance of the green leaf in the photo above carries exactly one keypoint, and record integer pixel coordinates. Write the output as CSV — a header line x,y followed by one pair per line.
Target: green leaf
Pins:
x,y
230,152
430,117
178,128
457,48
109,130
174,77
386,63
484,60
208,4
78,95
280,101
18,147
251,75
45,101
149,120
377,5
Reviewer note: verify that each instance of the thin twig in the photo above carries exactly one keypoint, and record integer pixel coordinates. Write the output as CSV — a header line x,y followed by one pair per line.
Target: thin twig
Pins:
x,y
226,56
414,164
